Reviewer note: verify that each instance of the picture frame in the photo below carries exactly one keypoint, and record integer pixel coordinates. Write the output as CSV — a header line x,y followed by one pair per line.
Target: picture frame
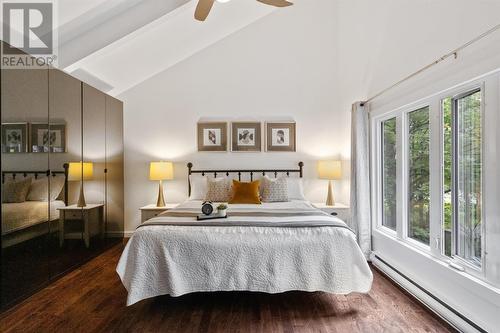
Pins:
x,y
281,136
41,141
246,136
15,137
212,136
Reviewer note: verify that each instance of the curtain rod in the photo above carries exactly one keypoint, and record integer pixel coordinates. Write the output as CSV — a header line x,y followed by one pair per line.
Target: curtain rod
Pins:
x,y
446,56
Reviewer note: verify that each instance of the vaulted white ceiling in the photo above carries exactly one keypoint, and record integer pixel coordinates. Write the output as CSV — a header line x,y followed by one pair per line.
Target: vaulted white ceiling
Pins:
x,y
117,44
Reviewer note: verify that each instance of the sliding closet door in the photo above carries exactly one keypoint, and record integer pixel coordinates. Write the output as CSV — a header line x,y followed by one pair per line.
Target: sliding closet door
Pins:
x,y
114,166
65,120
25,209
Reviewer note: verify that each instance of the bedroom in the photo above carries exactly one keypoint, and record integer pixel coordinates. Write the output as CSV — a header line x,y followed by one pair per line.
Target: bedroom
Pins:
x,y
139,82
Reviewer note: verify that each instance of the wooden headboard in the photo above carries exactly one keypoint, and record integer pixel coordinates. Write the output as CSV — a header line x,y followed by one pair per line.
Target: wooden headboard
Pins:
x,y
263,172
46,173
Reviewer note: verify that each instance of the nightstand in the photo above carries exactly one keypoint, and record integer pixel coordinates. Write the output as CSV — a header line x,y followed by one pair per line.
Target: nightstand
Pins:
x,y
339,210
150,211
92,217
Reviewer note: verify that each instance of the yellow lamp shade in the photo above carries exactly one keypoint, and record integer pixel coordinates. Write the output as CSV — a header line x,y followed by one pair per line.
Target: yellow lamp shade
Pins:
x,y
161,171
330,170
79,169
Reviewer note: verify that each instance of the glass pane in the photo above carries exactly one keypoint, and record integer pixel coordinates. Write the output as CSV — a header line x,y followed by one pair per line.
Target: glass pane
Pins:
x,y
389,173
418,175
447,175
468,177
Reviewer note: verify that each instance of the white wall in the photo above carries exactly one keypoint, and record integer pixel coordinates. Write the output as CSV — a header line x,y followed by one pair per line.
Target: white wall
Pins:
x,y
380,42
282,66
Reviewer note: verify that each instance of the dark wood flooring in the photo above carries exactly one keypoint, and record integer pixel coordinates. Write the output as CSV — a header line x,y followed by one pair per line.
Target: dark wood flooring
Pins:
x,y
92,299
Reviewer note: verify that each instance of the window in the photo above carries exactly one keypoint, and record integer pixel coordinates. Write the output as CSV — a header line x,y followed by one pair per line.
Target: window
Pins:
x,y
435,171
467,176
418,175
389,173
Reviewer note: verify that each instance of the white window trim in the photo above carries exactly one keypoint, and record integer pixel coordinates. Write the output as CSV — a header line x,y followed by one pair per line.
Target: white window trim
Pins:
x,y
487,82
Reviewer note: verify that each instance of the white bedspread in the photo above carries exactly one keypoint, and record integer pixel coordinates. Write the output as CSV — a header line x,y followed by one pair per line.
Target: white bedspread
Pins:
x,y
176,260
18,216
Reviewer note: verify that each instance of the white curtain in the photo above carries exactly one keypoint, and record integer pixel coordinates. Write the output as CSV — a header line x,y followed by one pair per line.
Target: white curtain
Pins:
x,y
360,177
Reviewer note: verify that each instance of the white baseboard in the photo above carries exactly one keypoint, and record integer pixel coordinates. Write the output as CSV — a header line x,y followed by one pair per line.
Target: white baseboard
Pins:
x,y
435,305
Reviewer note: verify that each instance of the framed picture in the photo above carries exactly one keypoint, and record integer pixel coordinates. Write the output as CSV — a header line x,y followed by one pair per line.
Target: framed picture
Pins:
x,y
246,136
14,137
280,137
212,136
42,141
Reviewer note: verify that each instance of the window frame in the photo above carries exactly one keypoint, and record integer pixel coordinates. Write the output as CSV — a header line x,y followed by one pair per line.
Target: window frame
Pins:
x,y
378,158
456,259
436,162
389,230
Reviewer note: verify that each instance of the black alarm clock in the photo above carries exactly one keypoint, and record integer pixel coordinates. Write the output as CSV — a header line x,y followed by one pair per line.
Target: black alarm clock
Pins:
x,y
207,208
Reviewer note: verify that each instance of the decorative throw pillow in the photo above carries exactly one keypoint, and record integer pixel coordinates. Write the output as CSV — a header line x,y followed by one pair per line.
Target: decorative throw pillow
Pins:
x,y
245,193
274,190
16,191
295,189
218,190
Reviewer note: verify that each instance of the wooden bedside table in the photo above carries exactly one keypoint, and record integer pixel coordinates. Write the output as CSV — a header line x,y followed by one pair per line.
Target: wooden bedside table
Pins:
x,y
339,210
92,217
150,211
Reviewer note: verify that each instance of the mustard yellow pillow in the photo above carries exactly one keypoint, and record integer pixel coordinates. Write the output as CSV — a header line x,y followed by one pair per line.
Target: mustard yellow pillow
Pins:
x,y
245,193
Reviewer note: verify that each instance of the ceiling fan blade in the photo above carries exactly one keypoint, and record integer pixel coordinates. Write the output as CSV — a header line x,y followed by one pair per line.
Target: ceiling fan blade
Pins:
x,y
276,3
202,9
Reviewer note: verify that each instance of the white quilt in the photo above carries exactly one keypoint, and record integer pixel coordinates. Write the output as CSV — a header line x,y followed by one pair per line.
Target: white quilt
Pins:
x,y
176,260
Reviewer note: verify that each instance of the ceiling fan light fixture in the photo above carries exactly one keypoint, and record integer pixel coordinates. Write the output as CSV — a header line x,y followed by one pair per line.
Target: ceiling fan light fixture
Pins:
x,y
222,1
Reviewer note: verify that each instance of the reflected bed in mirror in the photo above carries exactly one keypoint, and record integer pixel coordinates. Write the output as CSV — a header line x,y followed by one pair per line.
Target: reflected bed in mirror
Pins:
x,y
28,205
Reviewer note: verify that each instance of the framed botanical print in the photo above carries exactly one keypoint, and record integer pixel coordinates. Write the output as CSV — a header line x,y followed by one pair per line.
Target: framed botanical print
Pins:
x,y
280,137
43,141
212,136
246,136
15,137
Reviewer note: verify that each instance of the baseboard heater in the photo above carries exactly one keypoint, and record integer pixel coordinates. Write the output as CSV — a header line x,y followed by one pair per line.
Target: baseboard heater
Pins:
x,y
429,294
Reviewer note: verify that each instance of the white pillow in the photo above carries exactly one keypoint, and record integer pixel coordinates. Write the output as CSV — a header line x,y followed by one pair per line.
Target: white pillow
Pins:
x,y
39,189
199,187
295,189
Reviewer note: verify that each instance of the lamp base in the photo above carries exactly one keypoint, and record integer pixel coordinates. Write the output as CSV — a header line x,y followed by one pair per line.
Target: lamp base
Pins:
x,y
161,201
329,199
81,198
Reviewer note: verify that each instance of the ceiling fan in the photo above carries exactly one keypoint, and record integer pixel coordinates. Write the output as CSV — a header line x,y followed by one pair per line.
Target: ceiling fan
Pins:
x,y
204,6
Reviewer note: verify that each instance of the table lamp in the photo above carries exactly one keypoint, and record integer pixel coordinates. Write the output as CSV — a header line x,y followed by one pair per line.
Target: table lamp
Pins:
x,y
161,171
330,170
80,171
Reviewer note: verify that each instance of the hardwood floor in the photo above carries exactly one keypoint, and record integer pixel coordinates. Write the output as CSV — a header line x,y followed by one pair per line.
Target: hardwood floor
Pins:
x,y
92,299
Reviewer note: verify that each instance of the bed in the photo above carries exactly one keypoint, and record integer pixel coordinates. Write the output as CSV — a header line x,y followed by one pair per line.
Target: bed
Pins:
x,y
29,219
271,248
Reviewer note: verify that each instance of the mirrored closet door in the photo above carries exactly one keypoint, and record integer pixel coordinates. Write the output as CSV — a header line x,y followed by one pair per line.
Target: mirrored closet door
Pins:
x,y
26,221
62,177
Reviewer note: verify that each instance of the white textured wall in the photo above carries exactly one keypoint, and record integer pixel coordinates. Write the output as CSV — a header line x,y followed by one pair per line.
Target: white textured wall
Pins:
x,y
282,66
